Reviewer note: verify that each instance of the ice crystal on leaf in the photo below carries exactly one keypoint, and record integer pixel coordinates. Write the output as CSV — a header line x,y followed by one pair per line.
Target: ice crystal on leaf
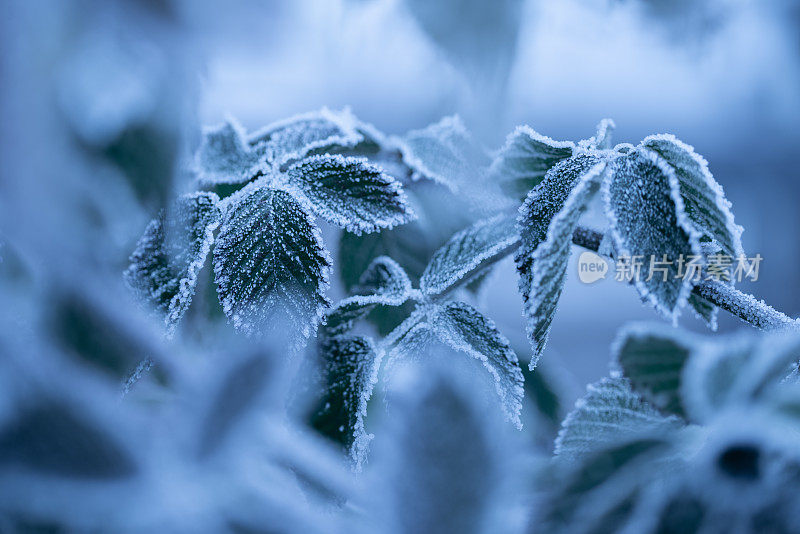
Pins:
x,y
703,198
269,262
546,222
649,221
525,159
464,329
445,153
609,412
467,251
383,283
224,156
634,468
298,136
170,254
351,193
350,371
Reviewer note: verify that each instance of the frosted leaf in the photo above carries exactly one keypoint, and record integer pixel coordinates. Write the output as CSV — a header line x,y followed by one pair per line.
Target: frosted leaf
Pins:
x,y
464,329
269,262
735,372
467,252
648,221
704,310
703,198
546,222
294,138
350,371
168,257
224,157
609,413
384,282
351,193
653,358
445,153
524,160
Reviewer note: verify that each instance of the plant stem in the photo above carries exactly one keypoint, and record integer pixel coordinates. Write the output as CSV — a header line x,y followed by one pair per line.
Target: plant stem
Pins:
x,y
744,306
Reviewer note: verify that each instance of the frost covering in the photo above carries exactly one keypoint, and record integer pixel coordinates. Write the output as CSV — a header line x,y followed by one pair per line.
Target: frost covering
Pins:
x,y
170,254
269,262
351,193
648,219
467,251
546,222
350,369
464,329
526,157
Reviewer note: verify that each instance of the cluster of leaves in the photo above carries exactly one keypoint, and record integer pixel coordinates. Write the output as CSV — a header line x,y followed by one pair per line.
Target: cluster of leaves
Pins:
x,y
659,197
689,434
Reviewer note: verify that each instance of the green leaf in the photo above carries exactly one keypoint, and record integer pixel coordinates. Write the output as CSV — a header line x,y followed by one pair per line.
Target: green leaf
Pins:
x,y
609,413
653,358
467,252
736,372
225,157
168,257
546,222
350,369
383,283
270,265
648,221
298,136
525,159
703,198
464,329
351,193
445,153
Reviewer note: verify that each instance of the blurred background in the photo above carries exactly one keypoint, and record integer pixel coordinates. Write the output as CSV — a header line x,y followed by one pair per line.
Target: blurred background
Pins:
x,y
722,75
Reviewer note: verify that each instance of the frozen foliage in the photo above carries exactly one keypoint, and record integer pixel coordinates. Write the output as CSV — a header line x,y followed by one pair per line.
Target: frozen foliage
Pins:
x,y
269,258
351,193
466,330
383,283
546,222
609,413
703,198
648,219
468,251
696,377
170,254
228,156
224,156
350,370
269,262
298,136
524,160
739,472
445,153
653,359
